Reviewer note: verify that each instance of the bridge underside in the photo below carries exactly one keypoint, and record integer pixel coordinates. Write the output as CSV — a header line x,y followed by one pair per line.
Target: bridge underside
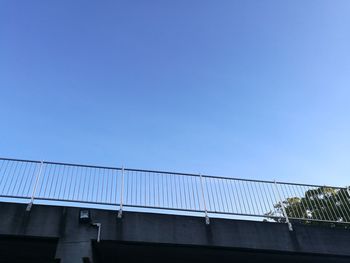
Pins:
x,y
42,250
107,251
22,249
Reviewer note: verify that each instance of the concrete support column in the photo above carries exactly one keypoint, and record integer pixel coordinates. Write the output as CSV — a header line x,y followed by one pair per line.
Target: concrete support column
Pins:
x,y
74,251
74,245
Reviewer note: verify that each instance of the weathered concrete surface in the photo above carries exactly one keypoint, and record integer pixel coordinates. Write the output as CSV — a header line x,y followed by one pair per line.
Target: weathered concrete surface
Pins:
x,y
75,238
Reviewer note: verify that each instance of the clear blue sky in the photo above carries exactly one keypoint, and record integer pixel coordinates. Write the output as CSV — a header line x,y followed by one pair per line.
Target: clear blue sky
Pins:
x,y
252,89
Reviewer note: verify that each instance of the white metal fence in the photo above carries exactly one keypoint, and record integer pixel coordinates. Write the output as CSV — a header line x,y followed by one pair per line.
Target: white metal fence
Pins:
x,y
178,192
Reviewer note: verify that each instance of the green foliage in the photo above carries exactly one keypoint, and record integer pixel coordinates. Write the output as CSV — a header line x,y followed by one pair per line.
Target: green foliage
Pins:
x,y
315,207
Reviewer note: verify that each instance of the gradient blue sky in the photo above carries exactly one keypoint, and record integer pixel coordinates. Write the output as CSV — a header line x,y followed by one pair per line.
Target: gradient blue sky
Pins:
x,y
252,89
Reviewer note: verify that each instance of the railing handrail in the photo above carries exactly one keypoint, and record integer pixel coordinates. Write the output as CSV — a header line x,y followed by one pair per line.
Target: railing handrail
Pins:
x,y
171,173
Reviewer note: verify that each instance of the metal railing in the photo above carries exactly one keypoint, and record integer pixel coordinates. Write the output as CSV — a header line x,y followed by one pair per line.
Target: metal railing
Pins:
x,y
175,192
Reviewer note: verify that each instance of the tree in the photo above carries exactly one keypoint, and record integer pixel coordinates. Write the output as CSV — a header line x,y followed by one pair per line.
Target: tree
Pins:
x,y
319,206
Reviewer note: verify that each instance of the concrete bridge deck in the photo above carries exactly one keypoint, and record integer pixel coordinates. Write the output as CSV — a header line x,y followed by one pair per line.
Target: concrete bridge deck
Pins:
x,y
54,234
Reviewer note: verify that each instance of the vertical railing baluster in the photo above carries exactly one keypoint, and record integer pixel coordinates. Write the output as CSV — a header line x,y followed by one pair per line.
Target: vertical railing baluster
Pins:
x,y
120,213
207,220
29,206
290,227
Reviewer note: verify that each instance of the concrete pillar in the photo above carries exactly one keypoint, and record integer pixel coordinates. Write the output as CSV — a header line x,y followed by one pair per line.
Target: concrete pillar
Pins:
x,y
74,243
74,251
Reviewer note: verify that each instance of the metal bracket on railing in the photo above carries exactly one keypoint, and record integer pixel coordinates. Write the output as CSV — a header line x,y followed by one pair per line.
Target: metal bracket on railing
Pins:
x,y
207,220
120,212
290,227
29,206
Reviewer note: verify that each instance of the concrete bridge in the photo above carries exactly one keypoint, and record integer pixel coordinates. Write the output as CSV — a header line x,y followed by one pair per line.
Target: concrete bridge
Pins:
x,y
55,234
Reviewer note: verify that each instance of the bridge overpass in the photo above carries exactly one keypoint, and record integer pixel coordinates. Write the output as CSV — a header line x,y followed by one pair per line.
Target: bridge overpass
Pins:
x,y
54,212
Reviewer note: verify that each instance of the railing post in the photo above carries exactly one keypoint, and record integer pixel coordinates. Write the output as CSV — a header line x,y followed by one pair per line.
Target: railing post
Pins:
x,y
120,213
29,206
348,190
207,220
290,227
